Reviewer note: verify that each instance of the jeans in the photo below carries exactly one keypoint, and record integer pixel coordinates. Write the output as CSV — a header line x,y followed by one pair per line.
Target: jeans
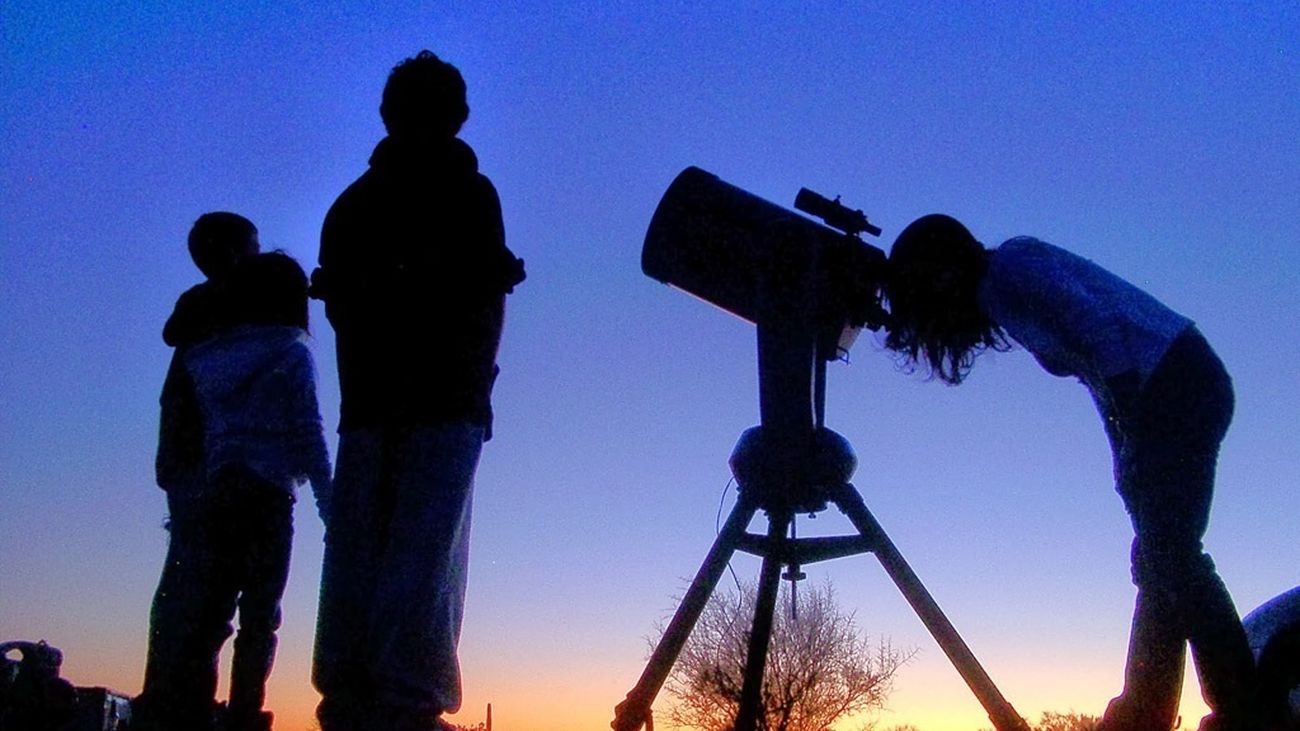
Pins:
x,y
228,551
393,581
1166,443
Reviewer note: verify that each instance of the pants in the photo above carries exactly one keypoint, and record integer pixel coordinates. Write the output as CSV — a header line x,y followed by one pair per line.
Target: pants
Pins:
x,y
393,581
1166,444
229,551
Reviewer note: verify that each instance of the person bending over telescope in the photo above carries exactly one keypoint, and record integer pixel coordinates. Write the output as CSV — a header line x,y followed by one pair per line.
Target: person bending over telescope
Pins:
x,y
1165,400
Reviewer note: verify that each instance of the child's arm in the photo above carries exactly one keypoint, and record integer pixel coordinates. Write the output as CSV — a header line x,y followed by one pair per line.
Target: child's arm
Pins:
x,y
311,430
194,317
322,484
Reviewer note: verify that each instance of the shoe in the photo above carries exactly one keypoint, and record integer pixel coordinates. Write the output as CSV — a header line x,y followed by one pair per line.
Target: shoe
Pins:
x,y
1122,714
1220,722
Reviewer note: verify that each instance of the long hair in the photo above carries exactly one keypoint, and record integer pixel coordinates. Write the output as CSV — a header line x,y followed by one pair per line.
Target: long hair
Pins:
x,y
270,289
935,269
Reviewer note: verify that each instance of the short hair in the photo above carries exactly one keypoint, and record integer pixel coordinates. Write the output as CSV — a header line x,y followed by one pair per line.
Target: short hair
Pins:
x,y
935,269
220,239
269,289
424,94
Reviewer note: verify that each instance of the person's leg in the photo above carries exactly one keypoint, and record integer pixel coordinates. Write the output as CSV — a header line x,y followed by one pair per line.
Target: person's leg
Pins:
x,y
1153,672
340,665
421,592
189,621
266,516
1223,660
1168,484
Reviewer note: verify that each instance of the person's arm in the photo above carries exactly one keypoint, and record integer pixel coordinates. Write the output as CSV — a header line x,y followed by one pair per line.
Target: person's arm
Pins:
x,y
192,317
324,279
340,278
483,358
504,272
308,427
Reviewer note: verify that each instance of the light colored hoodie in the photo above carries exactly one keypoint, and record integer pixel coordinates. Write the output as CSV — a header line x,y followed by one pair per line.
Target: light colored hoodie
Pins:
x,y
256,388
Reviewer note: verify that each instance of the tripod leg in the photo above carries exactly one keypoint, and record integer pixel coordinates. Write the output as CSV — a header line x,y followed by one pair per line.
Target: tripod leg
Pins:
x,y
1003,716
760,634
634,711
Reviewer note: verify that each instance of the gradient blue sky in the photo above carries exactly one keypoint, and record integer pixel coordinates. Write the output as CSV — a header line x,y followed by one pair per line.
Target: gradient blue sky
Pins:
x,y
1160,141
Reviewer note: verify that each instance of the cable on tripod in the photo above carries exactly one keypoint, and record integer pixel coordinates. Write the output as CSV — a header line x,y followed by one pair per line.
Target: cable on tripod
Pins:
x,y
717,530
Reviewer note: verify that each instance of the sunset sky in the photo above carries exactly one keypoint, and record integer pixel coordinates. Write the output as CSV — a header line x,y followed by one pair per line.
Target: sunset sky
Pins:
x,y
1161,140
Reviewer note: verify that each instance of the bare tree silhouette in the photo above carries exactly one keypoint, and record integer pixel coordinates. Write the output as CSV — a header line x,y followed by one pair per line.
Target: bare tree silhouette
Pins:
x,y
820,668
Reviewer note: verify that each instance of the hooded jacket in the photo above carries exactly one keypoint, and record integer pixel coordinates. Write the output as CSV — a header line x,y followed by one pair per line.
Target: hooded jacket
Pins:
x,y
414,271
256,389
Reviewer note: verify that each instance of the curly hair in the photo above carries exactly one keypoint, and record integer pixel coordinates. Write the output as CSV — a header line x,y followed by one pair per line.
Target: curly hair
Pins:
x,y
423,95
935,268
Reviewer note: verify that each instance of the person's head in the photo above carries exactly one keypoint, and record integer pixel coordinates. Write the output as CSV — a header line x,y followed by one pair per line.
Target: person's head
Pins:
x,y
935,269
269,289
219,240
424,97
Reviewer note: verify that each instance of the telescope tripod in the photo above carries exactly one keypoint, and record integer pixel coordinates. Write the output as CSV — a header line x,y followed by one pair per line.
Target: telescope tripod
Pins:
x,y
793,464
826,468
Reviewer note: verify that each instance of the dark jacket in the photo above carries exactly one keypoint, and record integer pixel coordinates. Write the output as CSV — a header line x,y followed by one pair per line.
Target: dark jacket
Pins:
x,y
414,271
199,313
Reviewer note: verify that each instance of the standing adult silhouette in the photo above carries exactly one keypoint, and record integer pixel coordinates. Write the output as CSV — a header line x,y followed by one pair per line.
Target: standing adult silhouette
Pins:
x,y
413,272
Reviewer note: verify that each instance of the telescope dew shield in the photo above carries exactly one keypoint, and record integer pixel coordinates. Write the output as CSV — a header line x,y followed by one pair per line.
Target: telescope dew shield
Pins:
x,y
716,241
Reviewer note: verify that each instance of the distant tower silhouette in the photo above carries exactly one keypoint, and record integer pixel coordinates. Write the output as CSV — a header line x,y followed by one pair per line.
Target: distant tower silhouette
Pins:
x,y
489,717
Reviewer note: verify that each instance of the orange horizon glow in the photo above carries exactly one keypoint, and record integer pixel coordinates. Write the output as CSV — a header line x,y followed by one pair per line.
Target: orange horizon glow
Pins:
x,y
930,698
1150,138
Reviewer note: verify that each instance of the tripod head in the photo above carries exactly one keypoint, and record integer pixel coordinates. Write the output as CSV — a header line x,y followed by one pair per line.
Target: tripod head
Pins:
x,y
804,487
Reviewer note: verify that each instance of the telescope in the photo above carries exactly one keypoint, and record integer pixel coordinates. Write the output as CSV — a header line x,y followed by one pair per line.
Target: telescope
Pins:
x,y
808,287
766,264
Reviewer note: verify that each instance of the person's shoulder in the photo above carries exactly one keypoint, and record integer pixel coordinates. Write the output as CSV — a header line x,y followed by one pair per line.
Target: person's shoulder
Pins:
x,y
351,205
1024,264
197,294
363,185
1020,251
1025,244
257,338
193,314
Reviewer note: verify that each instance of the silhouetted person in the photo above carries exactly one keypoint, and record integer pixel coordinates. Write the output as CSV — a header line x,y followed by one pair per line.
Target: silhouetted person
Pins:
x,y
254,385
1166,402
413,271
1273,630
217,242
